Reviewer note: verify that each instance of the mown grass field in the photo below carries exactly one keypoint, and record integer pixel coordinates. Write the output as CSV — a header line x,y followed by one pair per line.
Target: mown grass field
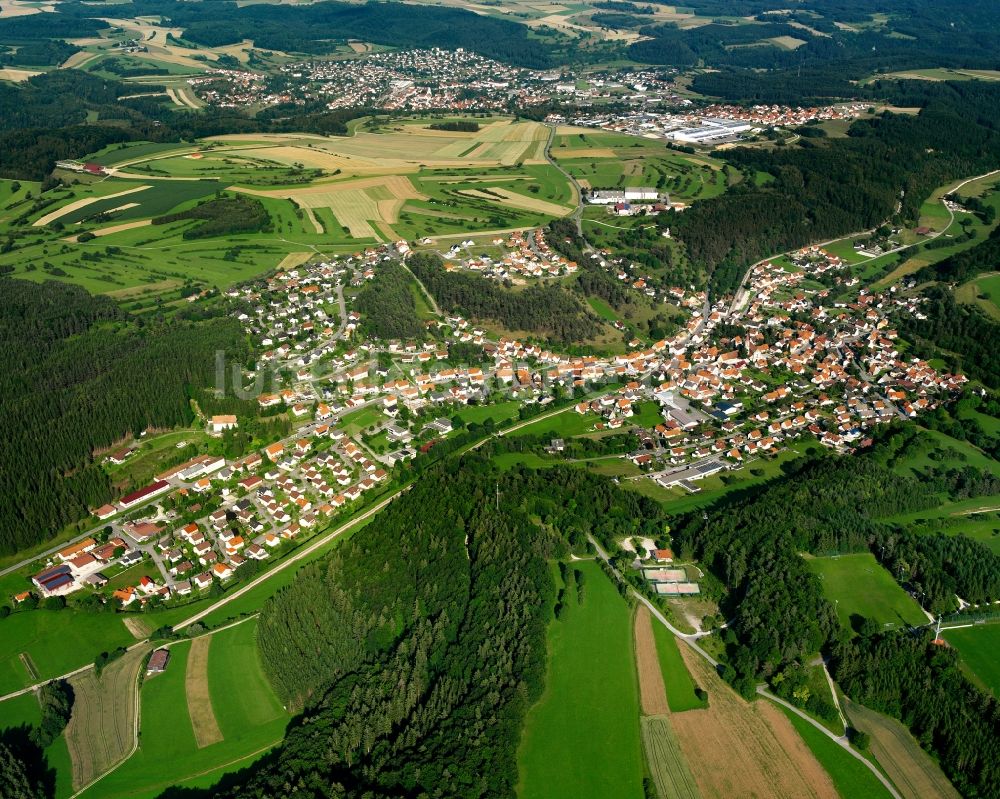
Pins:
x,y
858,585
850,777
983,292
57,641
604,160
566,424
582,738
680,687
168,753
978,648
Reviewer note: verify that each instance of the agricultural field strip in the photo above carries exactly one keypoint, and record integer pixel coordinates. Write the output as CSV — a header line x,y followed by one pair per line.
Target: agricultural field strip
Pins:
x,y
199,698
83,202
666,761
96,723
910,768
138,708
691,641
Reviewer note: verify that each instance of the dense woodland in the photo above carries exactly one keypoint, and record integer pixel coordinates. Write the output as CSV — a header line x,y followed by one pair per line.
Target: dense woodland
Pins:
x,y
907,677
78,374
549,311
831,505
416,648
222,216
960,334
387,305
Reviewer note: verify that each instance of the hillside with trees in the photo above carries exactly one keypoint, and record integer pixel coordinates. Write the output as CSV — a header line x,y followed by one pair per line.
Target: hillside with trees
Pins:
x,y
387,305
549,311
78,374
824,188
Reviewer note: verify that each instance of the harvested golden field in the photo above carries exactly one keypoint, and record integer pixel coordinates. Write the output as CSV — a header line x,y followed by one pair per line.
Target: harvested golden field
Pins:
x,y
199,701
17,75
14,8
359,205
294,259
739,749
652,692
911,769
584,152
664,757
312,157
102,729
515,200
77,60
81,203
140,628
317,225
407,148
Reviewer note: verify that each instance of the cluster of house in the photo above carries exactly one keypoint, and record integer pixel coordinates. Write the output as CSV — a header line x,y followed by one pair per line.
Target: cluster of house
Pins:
x,y
80,565
715,124
526,256
405,79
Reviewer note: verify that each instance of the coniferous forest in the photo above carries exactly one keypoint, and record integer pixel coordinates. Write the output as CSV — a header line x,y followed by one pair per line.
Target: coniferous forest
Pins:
x,y
77,374
549,311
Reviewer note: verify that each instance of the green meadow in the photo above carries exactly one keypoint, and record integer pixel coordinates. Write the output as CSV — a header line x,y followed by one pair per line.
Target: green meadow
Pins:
x,y
615,161
680,687
858,585
248,713
582,738
978,647
57,641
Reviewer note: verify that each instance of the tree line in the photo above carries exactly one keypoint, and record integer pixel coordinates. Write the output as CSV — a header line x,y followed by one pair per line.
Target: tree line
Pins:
x,y
78,374
549,310
387,306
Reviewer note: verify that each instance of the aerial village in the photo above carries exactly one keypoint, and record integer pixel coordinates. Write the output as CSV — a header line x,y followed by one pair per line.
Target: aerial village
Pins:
x,y
645,102
801,353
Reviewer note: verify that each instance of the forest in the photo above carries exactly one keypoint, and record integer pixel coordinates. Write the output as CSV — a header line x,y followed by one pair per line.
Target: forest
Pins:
x,y
549,311
77,375
222,216
914,34
829,505
387,306
962,335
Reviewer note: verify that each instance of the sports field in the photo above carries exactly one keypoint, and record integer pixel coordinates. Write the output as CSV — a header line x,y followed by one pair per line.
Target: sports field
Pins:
x,y
911,769
582,738
978,648
248,714
858,585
